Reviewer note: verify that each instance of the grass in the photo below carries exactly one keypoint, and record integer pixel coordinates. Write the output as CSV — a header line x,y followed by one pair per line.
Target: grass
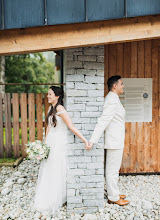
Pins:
x,y
12,159
7,160
20,139
4,138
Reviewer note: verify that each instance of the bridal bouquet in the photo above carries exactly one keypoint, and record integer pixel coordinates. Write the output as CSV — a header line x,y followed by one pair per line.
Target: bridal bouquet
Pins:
x,y
37,150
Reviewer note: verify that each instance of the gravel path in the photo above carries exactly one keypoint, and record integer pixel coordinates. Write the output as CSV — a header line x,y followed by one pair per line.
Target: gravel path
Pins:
x,y
17,187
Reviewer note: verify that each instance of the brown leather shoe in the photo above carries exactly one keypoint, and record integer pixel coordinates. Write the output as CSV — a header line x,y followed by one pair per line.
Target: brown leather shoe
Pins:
x,y
122,196
106,195
119,202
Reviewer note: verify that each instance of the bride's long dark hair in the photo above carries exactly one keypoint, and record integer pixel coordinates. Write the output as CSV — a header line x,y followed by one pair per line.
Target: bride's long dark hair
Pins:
x,y
53,110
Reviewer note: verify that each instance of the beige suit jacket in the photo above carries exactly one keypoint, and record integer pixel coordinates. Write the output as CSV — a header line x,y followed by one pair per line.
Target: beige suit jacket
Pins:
x,y
112,122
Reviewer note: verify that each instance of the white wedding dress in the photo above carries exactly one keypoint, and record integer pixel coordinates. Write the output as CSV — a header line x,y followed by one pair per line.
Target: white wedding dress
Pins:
x,y
51,184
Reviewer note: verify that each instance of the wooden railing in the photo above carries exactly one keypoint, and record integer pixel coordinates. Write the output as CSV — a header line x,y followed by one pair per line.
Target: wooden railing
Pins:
x,y
22,119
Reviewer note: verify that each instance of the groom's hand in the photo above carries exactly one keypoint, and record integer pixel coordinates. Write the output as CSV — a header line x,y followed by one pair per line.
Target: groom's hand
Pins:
x,y
90,145
86,145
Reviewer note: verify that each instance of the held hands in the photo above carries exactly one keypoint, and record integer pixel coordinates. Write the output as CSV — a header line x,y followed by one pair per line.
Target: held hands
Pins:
x,y
88,146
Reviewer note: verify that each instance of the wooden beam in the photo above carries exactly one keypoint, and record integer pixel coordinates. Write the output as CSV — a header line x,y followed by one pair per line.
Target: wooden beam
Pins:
x,y
57,37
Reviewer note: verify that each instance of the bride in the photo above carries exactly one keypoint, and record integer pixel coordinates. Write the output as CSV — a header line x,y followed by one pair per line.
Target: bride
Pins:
x,y
51,184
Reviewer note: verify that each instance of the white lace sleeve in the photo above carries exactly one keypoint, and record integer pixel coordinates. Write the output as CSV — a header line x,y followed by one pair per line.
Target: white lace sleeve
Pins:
x,y
58,113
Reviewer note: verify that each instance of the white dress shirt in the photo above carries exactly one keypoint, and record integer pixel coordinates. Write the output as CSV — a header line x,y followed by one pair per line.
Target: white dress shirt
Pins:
x,y
112,121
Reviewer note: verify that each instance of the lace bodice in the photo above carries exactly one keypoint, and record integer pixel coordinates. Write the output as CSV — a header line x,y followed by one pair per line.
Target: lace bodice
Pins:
x,y
60,125
57,135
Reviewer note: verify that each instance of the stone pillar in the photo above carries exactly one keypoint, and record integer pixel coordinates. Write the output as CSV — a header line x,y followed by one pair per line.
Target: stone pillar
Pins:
x,y
2,73
84,72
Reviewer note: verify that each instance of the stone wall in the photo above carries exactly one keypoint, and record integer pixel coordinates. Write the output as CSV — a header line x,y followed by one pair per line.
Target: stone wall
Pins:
x,y
84,76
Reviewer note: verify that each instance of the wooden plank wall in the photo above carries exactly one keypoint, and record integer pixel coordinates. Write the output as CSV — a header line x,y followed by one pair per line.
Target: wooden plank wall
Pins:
x,y
142,141
21,111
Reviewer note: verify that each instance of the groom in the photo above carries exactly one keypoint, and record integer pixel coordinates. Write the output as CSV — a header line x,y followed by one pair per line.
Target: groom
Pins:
x,y
112,121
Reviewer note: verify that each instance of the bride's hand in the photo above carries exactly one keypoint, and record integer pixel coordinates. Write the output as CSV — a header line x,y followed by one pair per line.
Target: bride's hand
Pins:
x,y
86,144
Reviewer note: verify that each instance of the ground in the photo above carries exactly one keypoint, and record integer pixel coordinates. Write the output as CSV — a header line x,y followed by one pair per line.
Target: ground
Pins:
x,y
17,189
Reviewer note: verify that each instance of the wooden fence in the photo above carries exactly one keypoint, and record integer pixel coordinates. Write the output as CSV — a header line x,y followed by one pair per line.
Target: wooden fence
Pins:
x,y
21,120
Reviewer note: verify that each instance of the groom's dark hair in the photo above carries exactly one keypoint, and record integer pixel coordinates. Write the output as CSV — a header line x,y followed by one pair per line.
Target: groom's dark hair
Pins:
x,y
112,80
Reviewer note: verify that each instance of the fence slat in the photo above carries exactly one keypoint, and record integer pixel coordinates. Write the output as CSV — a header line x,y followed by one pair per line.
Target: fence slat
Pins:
x,y
46,106
31,102
1,128
39,116
15,105
23,105
8,133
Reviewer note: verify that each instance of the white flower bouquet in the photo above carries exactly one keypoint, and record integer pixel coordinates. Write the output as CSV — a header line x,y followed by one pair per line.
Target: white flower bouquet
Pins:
x,y
37,150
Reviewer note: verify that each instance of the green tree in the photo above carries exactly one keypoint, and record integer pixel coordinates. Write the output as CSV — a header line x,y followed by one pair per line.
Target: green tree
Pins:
x,y
28,68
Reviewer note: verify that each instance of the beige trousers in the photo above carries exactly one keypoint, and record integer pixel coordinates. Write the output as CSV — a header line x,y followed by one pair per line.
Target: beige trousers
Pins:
x,y
113,164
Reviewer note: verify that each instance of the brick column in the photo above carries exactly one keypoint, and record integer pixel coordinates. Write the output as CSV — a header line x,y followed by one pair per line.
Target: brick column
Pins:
x,y
84,73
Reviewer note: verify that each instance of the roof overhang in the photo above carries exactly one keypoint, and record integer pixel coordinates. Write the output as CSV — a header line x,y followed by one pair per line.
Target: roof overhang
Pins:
x,y
58,37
